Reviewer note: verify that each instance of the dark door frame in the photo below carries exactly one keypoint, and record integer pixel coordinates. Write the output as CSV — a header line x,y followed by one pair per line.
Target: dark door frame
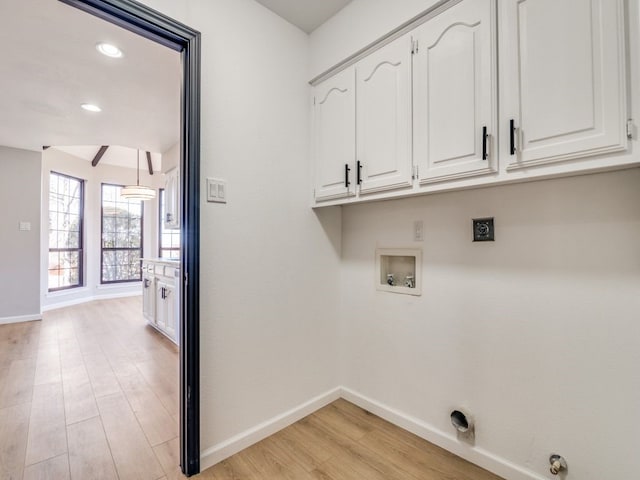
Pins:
x,y
155,26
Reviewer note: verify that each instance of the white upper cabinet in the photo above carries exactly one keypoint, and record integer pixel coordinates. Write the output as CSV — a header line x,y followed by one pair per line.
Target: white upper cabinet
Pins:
x,y
480,92
172,199
454,81
383,112
562,79
334,136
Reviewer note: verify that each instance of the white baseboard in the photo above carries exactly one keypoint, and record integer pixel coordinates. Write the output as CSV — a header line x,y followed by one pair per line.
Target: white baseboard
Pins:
x,y
476,455
239,442
90,298
20,318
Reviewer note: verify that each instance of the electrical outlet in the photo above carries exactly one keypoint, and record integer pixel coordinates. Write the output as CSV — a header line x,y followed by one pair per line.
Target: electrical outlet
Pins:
x,y
483,230
418,231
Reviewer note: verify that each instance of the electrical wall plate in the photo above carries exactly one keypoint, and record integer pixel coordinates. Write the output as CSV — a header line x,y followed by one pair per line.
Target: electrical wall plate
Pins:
x,y
483,230
216,190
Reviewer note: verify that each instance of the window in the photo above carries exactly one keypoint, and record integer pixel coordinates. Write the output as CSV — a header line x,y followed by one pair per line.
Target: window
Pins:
x,y
66,206
121,249
169,243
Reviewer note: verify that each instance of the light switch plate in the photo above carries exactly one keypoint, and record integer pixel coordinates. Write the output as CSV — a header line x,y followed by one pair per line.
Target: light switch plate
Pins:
x,y
216,190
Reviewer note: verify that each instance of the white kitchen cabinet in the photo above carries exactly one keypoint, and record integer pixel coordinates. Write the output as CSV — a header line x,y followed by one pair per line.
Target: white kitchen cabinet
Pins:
x,y
334,136
383,118
148,294
172,199
455,98
160,300
165,306
562,81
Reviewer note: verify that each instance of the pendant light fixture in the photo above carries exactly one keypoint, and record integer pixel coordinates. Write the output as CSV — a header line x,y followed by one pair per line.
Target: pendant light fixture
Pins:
x,y
137,191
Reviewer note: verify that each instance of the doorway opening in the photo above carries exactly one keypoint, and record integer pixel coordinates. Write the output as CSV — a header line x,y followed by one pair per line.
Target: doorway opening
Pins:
x,y
166,31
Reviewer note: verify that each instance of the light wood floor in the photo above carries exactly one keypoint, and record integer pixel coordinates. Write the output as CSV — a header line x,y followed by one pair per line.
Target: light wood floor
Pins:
x,y
343,442
91,392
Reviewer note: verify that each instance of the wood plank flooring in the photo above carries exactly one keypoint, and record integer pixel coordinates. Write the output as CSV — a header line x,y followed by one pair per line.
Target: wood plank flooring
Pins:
x,y
344,442
91,392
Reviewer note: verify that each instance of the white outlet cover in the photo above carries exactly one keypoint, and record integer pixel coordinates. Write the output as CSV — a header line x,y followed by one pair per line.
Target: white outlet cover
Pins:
x,y
418,231
25,226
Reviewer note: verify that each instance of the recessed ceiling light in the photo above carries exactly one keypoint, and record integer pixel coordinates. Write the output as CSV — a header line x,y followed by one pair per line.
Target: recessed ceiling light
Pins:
x,y
109,50
90,107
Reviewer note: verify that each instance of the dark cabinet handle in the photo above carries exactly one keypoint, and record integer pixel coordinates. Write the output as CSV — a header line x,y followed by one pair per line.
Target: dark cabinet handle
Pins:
x,y
346,175
484,143
512,136
359,173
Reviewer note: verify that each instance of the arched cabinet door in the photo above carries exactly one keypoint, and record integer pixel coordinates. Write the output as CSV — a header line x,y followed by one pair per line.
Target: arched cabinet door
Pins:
x,y
455,93
334,136
562,80
383,111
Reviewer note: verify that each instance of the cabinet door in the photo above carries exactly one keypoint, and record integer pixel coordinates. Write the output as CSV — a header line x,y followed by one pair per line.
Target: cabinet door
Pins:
x,y
383,112
334,136
455,93
562,79
148,298
170,317
161,305
172,200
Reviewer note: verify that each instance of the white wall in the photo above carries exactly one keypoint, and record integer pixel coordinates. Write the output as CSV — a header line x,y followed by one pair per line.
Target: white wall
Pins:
x,y
20,264
268,263
171,158
538,334
61,162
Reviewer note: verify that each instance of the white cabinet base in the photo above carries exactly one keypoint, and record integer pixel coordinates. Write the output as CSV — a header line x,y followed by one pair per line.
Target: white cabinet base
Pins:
x,y
161,303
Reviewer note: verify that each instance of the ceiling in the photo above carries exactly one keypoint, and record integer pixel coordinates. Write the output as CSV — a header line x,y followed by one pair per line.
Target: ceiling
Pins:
x,y
305,14
114,155
50,66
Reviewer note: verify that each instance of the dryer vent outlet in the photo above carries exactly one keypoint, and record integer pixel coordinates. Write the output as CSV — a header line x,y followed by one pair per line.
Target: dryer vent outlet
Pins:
x,y
463,423
459,421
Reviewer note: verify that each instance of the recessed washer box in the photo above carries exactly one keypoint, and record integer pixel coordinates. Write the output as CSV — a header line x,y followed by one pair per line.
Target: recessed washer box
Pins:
x,y
399,270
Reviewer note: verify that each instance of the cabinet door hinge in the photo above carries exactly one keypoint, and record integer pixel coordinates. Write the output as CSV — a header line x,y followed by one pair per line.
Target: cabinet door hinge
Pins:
x,y
631,129
414,47
414,173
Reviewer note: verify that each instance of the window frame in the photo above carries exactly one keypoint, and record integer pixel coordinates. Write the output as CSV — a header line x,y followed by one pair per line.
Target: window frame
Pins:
x,y
80,249
103,249
161,199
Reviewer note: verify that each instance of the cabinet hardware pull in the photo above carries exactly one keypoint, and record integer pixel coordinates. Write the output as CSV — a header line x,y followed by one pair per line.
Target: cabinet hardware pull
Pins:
x,y
346,175
484,143
512,136
359,173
